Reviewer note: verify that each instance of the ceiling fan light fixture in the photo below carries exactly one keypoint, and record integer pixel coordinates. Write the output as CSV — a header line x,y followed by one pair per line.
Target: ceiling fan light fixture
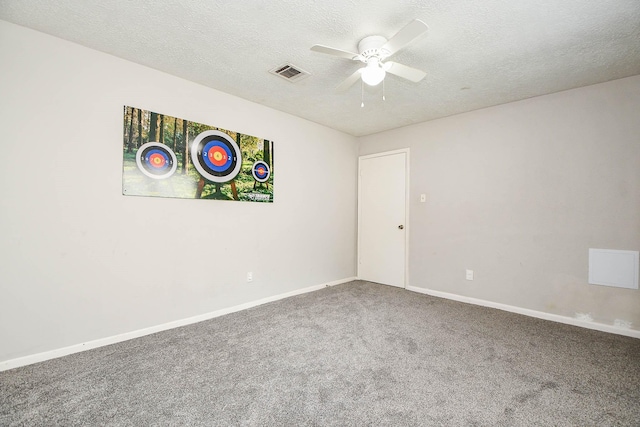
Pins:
x,y
372,50
373,73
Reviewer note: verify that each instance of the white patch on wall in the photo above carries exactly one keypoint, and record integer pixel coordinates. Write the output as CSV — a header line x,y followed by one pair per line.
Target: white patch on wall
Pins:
x,y
616,268
585,317
624,324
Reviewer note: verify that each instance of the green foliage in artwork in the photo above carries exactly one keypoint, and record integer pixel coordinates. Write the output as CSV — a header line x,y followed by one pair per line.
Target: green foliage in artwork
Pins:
x,y
184,182
179,185
244,185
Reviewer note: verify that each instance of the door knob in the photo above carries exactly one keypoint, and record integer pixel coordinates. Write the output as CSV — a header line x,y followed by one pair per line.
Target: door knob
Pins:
x,y
401,227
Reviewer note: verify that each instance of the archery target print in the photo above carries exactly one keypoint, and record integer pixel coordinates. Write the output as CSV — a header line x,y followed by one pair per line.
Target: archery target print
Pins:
x,y
260,171
216,156
156,160
166,156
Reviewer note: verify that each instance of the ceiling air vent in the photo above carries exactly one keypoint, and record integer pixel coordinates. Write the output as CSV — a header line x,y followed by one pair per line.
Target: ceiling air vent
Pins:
x,y
289,72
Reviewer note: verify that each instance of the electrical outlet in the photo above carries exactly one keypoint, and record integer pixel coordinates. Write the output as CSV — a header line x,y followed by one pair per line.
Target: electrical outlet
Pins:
x,y
249,277
469,274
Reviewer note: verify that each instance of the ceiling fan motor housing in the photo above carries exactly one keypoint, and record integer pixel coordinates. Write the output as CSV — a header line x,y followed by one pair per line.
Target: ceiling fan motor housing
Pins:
x,y
370,47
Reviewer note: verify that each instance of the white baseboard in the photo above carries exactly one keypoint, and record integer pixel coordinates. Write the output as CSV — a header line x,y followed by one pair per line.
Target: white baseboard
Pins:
x,y
532,313
52,354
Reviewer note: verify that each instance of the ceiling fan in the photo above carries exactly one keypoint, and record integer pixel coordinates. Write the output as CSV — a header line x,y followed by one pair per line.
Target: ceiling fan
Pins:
x,y
374,50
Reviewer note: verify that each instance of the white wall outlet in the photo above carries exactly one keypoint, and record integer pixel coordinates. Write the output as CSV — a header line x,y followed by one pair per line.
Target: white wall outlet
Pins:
x,y
469,274
249,277
423,198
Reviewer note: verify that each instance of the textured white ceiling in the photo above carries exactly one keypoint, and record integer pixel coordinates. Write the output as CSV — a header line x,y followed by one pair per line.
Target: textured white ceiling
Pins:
x,y
476,54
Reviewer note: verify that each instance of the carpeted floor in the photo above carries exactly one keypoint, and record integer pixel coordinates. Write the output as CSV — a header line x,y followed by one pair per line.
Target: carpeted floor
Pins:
x,y
352,355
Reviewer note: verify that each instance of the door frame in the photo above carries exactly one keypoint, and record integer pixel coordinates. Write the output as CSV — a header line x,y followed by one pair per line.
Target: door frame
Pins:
x,y
407,191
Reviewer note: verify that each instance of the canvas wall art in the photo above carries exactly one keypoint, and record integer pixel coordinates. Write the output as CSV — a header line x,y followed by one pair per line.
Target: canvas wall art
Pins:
x,y
165,156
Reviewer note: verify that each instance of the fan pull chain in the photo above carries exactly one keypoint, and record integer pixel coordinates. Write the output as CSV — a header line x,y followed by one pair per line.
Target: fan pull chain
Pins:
x,y
383,98
362,94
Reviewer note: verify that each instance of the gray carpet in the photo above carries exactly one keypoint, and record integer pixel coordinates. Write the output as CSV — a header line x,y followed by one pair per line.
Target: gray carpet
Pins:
x,y
352,355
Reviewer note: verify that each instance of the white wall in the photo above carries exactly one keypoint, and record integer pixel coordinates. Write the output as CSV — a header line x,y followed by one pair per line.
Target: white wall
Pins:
x,y
519,192
80,261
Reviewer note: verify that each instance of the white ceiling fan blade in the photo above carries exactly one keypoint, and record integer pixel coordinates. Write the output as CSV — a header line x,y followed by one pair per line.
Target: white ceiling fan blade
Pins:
x,y
349,81
409,33
409,73
335,52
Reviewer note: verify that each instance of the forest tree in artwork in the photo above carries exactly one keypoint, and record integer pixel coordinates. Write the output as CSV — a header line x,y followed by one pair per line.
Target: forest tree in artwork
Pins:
x,y
165,156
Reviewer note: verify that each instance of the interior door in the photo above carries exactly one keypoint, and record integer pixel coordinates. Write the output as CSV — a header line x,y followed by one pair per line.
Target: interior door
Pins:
x,y
382,217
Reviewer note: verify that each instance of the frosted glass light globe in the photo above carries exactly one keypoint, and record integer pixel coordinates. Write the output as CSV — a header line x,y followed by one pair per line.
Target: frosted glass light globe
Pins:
x,y
373,73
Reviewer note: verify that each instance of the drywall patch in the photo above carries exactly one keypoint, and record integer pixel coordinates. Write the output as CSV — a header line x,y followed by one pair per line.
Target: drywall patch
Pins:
x,y
585,317
623,324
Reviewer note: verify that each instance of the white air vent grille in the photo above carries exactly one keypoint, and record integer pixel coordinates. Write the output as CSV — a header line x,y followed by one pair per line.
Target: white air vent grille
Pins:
x,y
290,72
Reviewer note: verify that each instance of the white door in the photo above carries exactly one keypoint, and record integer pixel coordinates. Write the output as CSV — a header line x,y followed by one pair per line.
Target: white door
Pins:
x,y
382,217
